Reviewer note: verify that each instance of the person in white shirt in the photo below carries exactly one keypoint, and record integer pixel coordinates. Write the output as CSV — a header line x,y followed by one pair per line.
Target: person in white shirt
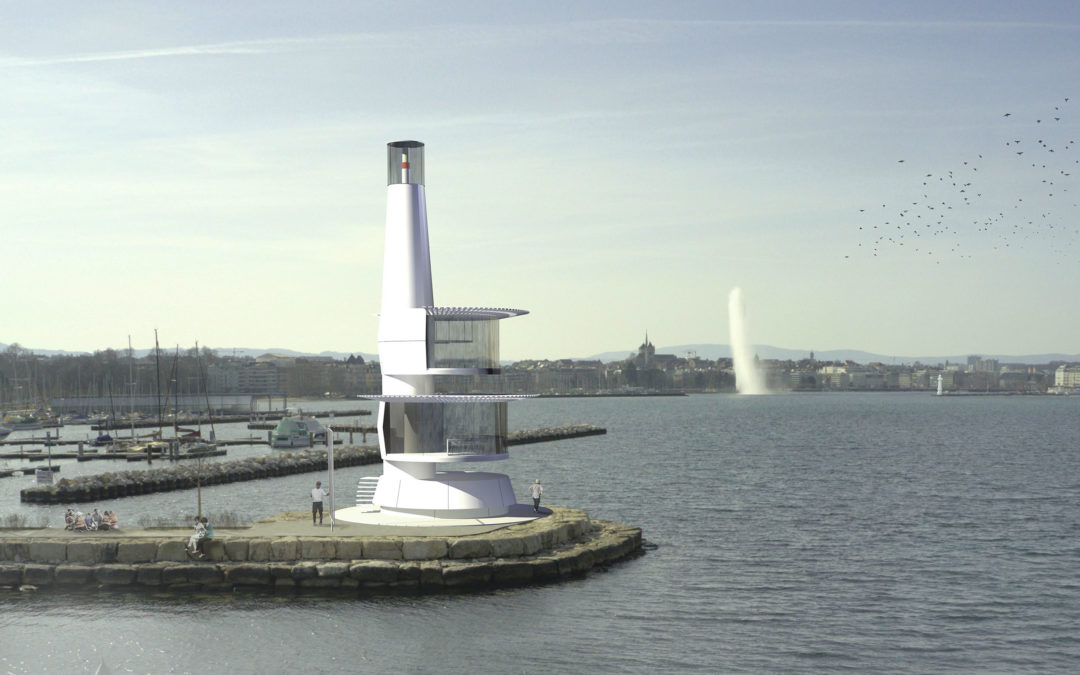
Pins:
x,y
200,532
317,494
536,489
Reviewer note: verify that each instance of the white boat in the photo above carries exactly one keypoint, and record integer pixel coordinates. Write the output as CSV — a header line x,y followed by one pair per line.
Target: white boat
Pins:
x,y
298,431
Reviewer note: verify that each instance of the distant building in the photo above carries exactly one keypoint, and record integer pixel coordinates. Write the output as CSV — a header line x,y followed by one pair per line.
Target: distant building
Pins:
x,y
645,353
1067,376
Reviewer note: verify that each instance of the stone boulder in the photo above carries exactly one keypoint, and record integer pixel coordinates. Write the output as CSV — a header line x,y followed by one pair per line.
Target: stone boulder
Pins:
x,y
424,548
115,575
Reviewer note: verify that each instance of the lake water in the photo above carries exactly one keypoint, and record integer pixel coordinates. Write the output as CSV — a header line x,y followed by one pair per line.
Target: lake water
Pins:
x,y
796,533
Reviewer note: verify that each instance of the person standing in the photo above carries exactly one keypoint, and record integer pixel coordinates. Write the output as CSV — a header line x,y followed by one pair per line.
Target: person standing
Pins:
x,y
317,494
536,489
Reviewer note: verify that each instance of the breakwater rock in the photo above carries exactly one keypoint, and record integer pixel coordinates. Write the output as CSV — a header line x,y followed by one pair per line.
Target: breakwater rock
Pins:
x,y
563,544
117,484
553,433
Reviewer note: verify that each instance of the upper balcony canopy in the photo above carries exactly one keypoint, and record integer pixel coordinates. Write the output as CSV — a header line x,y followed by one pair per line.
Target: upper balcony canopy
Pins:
x,y
405,162
474,313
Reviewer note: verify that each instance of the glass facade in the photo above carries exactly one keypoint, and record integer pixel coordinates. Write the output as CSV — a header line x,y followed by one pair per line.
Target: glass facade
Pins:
x,y
405,162
458,428
457,342
470,384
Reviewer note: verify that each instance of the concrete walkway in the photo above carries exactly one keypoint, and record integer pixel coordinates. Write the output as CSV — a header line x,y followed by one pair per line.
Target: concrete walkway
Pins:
x,y
298,524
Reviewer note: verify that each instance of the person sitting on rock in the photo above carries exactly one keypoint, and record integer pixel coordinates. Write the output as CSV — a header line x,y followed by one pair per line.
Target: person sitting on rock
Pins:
x,y
200,532
105,524
96,517
114,524
80,522
208,534
69,520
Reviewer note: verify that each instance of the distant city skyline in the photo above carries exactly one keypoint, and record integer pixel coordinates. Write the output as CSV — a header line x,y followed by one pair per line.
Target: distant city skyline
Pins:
x,y
710,352
217,172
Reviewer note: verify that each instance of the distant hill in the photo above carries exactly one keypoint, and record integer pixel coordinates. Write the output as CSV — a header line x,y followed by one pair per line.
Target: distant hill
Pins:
x,y
718,351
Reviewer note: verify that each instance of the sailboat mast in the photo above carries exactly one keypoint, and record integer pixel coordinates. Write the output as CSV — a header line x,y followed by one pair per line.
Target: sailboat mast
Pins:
x,y
206,392
157,383
131,388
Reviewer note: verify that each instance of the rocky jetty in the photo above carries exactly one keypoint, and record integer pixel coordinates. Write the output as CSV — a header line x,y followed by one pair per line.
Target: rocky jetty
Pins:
x,y
553,433
117,484
563,544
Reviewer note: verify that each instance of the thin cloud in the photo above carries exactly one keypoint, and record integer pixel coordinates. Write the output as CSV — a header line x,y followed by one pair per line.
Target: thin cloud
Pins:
x,y
608,31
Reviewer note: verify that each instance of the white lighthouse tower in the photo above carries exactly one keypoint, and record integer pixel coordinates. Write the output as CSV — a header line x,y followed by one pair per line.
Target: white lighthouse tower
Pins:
x,y
435,361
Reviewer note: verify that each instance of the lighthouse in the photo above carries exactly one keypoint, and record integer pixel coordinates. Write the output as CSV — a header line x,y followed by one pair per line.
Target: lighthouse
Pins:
x,y
439,365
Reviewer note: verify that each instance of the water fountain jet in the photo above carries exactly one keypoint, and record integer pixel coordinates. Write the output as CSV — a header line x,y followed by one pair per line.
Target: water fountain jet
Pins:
x,y
748,378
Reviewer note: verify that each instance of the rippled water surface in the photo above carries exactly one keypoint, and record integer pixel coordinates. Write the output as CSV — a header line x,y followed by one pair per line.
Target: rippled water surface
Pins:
x,y
860,532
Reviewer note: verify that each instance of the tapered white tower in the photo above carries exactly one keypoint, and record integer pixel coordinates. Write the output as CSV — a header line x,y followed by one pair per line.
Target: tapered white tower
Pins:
x,y
427,416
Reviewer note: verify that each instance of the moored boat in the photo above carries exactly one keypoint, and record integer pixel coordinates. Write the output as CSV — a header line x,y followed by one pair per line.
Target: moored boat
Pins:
x,y
298,431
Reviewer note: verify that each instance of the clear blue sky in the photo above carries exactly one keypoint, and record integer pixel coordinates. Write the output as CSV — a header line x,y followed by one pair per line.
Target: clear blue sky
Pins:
x,y
216,171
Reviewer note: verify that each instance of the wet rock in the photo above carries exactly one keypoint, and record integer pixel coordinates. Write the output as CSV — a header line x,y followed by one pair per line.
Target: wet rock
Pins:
x,y
304,571
150,574
335,570
10,574
466,573
511,572
248,574
39,575
374,571
73,575
115,575
431,574
470,547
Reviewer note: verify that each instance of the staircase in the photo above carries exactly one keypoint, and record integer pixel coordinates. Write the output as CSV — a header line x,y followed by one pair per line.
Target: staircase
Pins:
x,y
365,489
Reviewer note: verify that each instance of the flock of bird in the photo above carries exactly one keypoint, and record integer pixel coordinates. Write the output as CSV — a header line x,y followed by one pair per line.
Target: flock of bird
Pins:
x,y
1001,199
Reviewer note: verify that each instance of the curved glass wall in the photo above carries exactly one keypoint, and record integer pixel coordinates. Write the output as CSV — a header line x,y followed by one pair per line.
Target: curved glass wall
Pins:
x,y
456,342
458,428
405,162
469,384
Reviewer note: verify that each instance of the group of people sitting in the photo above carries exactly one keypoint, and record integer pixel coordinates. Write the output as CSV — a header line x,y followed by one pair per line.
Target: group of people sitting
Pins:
x,y
204,532
77,521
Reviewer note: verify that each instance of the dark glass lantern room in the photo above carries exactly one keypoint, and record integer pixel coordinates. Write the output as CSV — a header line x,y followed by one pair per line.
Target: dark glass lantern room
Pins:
x,y
405,162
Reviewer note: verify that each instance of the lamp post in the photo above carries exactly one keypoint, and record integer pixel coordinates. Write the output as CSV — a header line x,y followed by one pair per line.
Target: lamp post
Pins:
x,y
330,469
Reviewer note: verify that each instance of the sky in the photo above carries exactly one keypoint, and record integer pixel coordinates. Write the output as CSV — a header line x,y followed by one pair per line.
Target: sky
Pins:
x,y
216,171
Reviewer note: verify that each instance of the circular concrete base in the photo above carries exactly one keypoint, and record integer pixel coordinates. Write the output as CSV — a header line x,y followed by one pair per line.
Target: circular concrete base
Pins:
x,y
425,525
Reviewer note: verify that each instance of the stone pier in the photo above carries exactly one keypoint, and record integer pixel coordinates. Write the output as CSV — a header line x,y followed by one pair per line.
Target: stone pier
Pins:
x,y
287,552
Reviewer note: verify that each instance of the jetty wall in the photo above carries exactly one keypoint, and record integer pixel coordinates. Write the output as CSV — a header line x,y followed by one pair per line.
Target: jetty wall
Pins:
x,y
564,544
118,484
